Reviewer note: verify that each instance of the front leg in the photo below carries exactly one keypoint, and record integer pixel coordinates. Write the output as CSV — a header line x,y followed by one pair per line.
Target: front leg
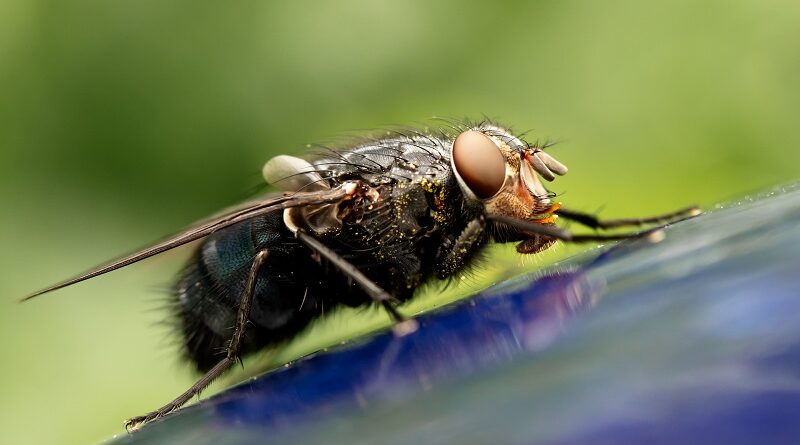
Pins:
x,y
594,222
465,246
548,231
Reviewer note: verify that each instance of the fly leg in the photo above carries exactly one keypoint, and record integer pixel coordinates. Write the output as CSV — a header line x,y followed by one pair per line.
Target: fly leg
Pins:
x,y
464,246
376,293
592,221
242,317
550,231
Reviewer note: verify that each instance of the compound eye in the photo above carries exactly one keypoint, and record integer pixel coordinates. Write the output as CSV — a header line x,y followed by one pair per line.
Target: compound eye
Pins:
x,y
478,161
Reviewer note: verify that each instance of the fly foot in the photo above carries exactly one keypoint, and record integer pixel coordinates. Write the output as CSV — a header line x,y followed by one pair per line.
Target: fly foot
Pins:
x,y
135,423
405,327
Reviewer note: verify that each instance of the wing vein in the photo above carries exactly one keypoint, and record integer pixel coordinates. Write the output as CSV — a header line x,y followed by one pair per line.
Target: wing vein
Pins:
x,y
203,229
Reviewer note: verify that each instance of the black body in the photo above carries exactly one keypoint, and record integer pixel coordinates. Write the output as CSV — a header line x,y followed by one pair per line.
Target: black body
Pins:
x,y
407,239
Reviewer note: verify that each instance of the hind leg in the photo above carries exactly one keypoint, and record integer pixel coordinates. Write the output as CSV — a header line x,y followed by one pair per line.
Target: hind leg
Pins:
x,y
232,356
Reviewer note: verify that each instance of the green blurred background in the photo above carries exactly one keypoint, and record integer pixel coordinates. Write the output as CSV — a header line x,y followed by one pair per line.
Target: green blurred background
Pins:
x,y
122,121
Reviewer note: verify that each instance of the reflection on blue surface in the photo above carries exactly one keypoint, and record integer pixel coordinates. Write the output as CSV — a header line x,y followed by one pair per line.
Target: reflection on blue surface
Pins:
x,y
455,342
696,340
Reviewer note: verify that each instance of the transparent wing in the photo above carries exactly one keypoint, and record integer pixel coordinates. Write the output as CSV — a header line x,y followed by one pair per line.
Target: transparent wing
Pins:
x,y
204,228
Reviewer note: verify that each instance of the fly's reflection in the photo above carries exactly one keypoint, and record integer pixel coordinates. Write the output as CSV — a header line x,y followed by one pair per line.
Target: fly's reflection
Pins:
x,y
480,334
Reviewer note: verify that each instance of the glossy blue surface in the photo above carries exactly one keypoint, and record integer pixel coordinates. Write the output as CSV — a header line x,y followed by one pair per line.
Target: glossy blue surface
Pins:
x,y
694,339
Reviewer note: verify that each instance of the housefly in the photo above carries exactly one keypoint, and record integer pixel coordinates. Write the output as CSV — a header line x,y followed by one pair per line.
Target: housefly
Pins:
x,y
360,225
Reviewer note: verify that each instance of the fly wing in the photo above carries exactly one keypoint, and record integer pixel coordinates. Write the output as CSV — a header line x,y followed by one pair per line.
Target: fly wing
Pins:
x,y
206,227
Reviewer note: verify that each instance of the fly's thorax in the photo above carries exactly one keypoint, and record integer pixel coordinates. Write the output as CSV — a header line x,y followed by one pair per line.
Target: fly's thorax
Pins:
x,y
403,179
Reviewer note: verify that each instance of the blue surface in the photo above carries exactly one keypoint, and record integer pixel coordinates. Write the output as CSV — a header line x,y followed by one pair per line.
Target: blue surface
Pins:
x,y
694,339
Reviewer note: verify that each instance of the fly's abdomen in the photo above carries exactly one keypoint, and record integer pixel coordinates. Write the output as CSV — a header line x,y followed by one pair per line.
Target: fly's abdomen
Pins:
x,y
210,288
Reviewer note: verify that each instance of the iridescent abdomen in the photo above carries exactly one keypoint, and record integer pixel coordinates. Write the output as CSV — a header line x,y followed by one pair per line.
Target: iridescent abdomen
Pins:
x,y
208,292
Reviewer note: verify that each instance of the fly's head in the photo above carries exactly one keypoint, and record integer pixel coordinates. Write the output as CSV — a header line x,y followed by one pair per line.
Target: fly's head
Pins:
x,y
505,174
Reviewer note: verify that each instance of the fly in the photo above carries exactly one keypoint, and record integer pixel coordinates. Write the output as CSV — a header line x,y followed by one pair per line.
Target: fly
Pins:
x,y
365,224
